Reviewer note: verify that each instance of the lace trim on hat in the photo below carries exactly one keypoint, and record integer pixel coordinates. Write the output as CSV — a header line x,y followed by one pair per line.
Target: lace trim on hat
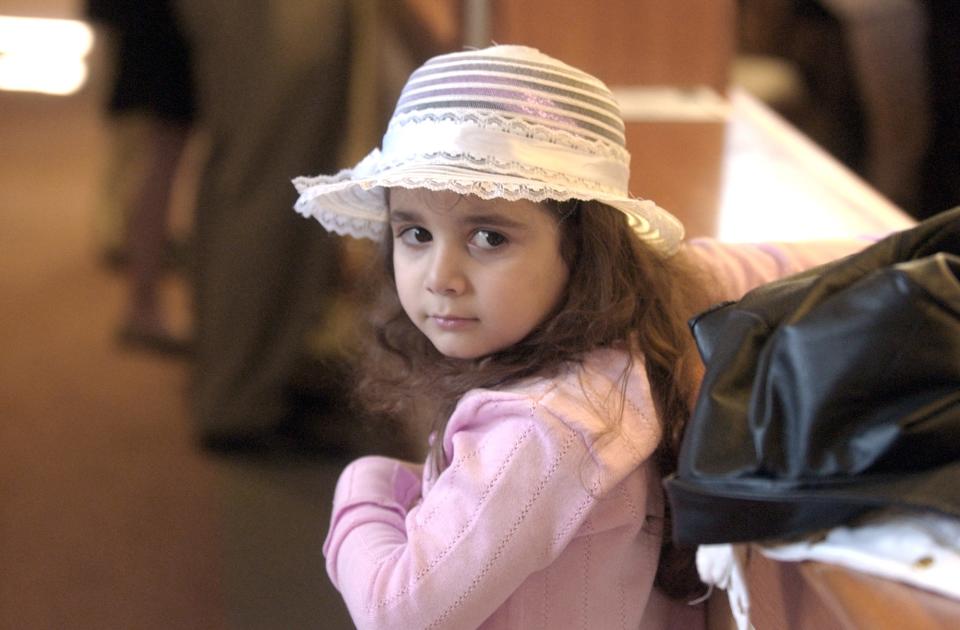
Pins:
x,y
489,164
491,190
349,226
346,207
522,128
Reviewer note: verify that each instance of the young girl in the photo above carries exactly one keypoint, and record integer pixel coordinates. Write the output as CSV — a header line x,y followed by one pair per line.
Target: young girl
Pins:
x,y
536,314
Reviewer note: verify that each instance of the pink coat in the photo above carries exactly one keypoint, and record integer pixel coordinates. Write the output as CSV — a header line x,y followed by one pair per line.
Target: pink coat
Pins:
x,y
547,516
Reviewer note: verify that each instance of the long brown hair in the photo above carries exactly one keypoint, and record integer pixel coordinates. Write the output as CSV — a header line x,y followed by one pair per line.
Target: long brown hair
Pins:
x,y
621,293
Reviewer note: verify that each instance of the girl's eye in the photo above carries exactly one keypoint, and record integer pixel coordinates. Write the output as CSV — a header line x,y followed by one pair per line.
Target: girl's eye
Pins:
x,y
415,236
486,239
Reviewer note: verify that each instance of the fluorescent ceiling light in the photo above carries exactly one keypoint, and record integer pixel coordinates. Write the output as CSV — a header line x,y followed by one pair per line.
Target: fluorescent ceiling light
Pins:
x,y
43,55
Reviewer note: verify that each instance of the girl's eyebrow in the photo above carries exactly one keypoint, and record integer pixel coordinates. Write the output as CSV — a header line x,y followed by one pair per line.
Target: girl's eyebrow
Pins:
x,y
495,220
404,216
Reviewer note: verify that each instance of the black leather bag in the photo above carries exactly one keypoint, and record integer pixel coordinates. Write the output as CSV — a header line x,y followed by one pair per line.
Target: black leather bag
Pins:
x,y
828,393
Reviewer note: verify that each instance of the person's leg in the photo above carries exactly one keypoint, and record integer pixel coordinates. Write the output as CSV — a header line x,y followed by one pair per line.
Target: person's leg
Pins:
x,y
147,239
272,86
127,132
154,80
123,171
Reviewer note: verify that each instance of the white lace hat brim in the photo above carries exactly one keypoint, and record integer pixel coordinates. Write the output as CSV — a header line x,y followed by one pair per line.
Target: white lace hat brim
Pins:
x,y
354,203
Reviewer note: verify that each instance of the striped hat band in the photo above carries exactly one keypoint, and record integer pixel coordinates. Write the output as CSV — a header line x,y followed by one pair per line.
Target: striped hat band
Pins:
x,y
562,99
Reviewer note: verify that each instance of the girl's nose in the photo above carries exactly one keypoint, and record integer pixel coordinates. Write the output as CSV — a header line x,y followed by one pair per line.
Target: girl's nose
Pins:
x,y
445,275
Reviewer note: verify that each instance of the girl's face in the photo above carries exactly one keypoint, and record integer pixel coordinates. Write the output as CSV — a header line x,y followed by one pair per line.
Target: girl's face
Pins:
x,y
475,276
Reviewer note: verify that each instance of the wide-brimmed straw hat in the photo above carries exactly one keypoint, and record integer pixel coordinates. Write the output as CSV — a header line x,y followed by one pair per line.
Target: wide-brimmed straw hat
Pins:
x,y
505,122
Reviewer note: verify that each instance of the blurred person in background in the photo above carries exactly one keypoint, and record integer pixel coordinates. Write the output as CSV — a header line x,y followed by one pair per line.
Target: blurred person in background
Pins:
x,y
261,276
285,87
941,168
878,87
151,108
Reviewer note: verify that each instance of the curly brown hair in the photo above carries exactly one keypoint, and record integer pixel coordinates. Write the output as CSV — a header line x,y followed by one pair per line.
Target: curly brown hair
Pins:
x,y
621,293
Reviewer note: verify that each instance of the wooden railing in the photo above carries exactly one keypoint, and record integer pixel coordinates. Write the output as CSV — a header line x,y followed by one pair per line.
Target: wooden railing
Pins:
x,y
818,596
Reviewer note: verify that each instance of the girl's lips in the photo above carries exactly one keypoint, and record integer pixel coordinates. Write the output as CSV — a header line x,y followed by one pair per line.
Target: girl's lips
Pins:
x,y
449,322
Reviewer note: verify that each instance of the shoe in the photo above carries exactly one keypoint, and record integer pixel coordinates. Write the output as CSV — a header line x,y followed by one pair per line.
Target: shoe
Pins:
x,y
159,342
177,257
114,259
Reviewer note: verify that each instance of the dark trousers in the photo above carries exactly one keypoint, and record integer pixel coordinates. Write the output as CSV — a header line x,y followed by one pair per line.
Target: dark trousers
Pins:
x,y
272,86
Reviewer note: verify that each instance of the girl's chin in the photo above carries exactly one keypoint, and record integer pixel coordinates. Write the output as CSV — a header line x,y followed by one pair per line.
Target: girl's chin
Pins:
x,y
465,354
453,350
459,354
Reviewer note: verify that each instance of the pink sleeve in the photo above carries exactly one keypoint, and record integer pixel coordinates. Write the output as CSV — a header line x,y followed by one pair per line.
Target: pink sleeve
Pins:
x,y
739,267
372,492
511,499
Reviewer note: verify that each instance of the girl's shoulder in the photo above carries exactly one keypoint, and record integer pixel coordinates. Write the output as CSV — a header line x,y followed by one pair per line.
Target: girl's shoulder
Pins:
x,y
599,372
735,268
586,397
